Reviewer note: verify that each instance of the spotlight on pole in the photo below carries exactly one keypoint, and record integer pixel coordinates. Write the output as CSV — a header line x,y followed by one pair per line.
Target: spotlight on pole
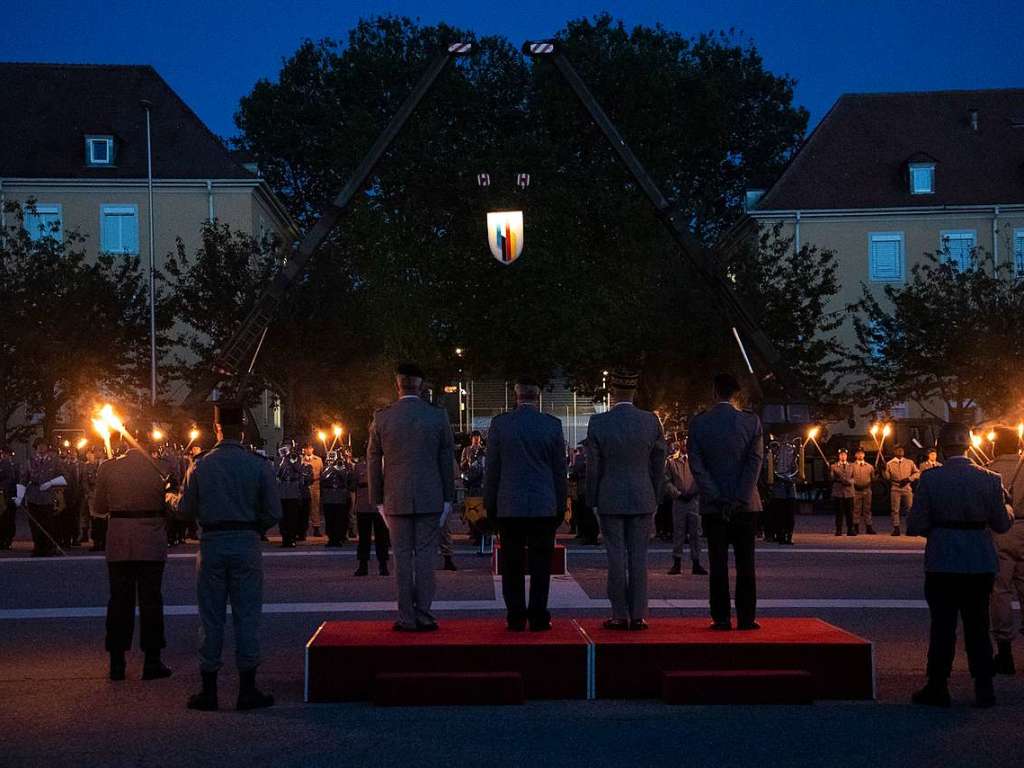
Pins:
x,y
536,48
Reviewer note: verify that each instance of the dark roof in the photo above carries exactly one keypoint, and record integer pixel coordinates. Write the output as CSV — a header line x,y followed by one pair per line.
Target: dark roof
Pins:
x,y
857,156
49,109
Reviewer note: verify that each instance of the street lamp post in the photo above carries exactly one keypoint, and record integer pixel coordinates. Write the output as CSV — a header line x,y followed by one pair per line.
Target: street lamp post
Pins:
x,y
148,105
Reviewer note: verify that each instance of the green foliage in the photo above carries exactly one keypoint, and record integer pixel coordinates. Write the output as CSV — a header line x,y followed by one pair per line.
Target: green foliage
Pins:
x,y
947,334
76,328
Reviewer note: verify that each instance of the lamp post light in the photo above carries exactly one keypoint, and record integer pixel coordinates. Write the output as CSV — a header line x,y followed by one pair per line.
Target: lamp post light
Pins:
x,y
148,105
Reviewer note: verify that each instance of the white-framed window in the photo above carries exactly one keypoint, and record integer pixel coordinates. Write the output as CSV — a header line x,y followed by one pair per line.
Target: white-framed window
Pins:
x,y
46,221
957,246
1018,251
99,150
922,178
885,257
899,410
119,228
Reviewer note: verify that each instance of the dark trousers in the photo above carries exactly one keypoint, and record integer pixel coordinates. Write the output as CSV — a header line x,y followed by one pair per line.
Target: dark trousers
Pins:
x,y
130,580
527,543
336,522
739,532
291,519
963,595
99,532
372,525
42,523
302,525
844,512
663,518
586,521
8,523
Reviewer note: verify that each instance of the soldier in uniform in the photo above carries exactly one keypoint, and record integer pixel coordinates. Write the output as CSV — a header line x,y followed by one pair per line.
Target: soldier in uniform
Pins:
x,y
682,488
587,531
337,490
863,477
410,458
131,490
293,478
525,491
626,454
957,508
1010,550
311,513
233,495
931,462
371,526
97,524
8,495
842,492
42,476
901,472
726,450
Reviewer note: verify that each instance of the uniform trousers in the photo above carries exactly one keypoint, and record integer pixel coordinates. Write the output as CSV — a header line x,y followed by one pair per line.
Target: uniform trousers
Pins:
x,y
586,522
527,545
291,519
42,523
900,500
314,504
99,532
8,522
134,581
686,528
336,522
444,536
963,595
1009,581
738,532
862,509
372,525
844,512
626,538
229,567
414,539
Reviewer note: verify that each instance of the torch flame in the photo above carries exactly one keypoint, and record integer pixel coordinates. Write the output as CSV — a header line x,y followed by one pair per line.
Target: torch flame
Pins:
x,y
82,442
193,434
886,430
812,433
337,430
975,440
321,436
991,436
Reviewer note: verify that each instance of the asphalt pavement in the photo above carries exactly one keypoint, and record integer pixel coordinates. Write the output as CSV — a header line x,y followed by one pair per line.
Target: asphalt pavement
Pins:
x,y
57,708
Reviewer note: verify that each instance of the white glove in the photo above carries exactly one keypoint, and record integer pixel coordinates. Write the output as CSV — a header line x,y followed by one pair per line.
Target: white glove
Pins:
x,y
45,486
19,495
595,511
380,510
446,509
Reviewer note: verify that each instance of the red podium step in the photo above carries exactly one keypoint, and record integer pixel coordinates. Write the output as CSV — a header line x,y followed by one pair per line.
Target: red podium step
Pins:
x,y
839,665
744,686
360,660
446,688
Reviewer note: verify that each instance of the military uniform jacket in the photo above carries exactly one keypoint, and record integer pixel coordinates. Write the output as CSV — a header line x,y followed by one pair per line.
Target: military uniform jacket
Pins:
x,y
131,484
228,484
901,473
924,466
863,475
38,470
294,478
726,449
411,458
842,480
337,483
954,507
626,453
525,465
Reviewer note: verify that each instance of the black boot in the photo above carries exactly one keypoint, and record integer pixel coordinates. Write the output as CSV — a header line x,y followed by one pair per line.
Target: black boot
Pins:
x,y
383,568
249,696
1003,661
153,668
449,564
117,665
677,566
984,694
698,569
85,535
934,694
362,570
206,699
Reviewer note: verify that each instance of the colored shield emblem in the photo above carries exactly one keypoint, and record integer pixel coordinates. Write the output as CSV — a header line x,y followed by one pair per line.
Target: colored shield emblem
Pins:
x,y
505,235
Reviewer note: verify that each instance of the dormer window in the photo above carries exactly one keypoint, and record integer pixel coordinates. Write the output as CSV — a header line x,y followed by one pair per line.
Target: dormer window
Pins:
x,y
922,178
751,198
99,150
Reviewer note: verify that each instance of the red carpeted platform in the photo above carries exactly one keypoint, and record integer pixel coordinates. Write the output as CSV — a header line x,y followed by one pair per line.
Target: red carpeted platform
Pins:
x,y
559,562
345,658
447,688
633,664
745,686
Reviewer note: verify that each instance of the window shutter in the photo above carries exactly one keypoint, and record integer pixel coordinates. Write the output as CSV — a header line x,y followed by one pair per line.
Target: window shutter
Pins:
x,y
130,231
886,258
1018,251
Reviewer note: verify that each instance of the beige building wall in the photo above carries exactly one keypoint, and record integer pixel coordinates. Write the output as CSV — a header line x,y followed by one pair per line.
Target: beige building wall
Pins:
x,y
848,234
181,208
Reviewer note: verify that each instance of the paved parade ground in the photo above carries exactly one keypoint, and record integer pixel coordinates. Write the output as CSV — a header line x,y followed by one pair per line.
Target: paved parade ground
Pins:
x,y
59,709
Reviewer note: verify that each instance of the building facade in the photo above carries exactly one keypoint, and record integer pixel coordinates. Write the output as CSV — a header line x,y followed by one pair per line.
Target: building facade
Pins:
x,y
887,178
85,142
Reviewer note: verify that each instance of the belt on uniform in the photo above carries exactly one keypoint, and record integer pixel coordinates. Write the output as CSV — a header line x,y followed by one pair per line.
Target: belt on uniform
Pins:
x,y
136,514
234,525
961,525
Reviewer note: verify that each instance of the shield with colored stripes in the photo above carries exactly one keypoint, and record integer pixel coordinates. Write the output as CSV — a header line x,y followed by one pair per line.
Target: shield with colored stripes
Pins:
x,y
505,235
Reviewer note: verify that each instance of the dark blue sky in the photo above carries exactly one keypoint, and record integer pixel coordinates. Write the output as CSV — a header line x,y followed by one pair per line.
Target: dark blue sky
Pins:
x,y
213,52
